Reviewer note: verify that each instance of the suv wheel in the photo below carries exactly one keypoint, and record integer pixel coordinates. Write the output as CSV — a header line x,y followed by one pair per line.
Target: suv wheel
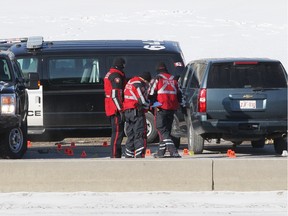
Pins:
x,y
280,144
258,143
152,134
195,141
13,144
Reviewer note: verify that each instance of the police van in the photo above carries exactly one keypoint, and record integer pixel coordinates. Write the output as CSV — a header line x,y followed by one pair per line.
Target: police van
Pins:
x,y
70,100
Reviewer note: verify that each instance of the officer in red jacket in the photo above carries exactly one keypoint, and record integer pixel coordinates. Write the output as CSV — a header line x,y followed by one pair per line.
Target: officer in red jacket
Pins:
x,y
114,83
135,106
164,89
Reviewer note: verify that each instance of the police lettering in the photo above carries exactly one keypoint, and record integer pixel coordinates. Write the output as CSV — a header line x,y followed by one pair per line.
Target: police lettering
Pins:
x,y
34,113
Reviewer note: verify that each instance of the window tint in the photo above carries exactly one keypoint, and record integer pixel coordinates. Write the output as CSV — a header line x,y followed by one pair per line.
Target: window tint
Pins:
x,y
28,64
74,70
230,75
5,74
135,64
17,69
200,70
194,81
185,76
196,72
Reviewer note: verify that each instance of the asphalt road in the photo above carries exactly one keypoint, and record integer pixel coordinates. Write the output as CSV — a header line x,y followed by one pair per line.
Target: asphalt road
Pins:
x,y
99,148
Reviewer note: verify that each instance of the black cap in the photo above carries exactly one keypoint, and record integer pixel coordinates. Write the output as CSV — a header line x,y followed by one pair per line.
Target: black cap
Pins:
x,y
119,63
146,76
161,67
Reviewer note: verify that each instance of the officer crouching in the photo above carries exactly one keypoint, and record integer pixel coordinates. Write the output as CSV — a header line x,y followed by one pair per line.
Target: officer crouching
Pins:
x,y
135,106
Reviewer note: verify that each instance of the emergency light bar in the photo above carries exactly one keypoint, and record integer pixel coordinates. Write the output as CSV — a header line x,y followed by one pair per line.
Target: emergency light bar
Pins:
x,y
34,42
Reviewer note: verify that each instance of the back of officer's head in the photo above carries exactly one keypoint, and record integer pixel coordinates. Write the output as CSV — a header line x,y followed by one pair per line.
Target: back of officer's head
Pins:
x,y
161,67
146,76
119,63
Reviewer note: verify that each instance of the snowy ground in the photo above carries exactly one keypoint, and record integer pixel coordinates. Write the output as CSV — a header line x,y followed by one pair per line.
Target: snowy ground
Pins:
x,y
204,28
146,203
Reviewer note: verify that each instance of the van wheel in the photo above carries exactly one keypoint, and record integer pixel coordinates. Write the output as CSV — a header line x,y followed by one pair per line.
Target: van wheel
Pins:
x,y
195,141
258,143
280,144
13,144
152,135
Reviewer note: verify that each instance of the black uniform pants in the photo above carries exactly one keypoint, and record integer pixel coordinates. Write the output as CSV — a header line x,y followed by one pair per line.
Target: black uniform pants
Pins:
x,y
117,135
136,131
164,121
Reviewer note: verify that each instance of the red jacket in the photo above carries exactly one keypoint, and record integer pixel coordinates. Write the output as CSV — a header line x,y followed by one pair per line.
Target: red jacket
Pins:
x,y
136,94
166,91
114,83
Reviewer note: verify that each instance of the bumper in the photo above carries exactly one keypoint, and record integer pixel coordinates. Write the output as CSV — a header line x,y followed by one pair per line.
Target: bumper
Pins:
x,y
8,121
236,128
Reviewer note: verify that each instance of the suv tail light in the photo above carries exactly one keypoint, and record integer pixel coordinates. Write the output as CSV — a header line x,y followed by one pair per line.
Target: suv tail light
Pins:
x,y
202,100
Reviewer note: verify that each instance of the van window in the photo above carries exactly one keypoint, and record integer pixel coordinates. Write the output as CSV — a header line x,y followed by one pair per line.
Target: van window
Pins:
x,y
73,70
135,64
261,75
28,65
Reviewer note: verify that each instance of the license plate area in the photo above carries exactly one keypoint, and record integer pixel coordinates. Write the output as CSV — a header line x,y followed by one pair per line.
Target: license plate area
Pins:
x,y
247,104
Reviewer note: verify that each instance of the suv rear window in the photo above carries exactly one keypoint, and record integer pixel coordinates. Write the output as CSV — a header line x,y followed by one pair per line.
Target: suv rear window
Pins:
x,y
246,75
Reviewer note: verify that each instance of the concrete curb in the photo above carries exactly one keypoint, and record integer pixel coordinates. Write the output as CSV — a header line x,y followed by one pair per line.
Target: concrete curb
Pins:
x,y
108,175
250,175
118,175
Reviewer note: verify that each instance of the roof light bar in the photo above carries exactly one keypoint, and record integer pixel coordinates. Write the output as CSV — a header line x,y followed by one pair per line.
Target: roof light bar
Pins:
x,y
34,42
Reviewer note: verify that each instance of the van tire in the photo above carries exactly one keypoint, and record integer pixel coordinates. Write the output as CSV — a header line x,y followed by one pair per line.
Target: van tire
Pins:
x,y
195,141
13,143
280,144
152,135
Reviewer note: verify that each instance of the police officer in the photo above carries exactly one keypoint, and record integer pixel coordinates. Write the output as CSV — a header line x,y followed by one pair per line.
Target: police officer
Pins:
x,y
114,83
135,106
164,89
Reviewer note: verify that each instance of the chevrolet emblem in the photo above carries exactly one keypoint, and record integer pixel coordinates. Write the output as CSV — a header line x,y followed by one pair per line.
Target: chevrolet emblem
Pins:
x,y
247,96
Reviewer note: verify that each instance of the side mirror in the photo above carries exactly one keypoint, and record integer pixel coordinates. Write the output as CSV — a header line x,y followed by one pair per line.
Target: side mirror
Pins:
x,y
33,80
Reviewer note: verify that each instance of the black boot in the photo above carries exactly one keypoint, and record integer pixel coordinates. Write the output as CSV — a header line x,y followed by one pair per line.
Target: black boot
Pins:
x,y
161,150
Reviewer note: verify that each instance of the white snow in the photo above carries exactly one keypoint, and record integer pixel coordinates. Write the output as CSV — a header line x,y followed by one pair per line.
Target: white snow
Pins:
x,y
146,203
204,28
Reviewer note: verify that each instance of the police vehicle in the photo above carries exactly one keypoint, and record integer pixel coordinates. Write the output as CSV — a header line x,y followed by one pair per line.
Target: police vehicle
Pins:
x,y
13,106
70,100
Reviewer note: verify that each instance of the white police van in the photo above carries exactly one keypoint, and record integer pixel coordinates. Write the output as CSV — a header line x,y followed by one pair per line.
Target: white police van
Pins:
x,y
70,100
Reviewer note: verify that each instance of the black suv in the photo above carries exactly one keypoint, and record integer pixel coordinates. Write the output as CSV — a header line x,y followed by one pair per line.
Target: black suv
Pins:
x,y
13,107
236,100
